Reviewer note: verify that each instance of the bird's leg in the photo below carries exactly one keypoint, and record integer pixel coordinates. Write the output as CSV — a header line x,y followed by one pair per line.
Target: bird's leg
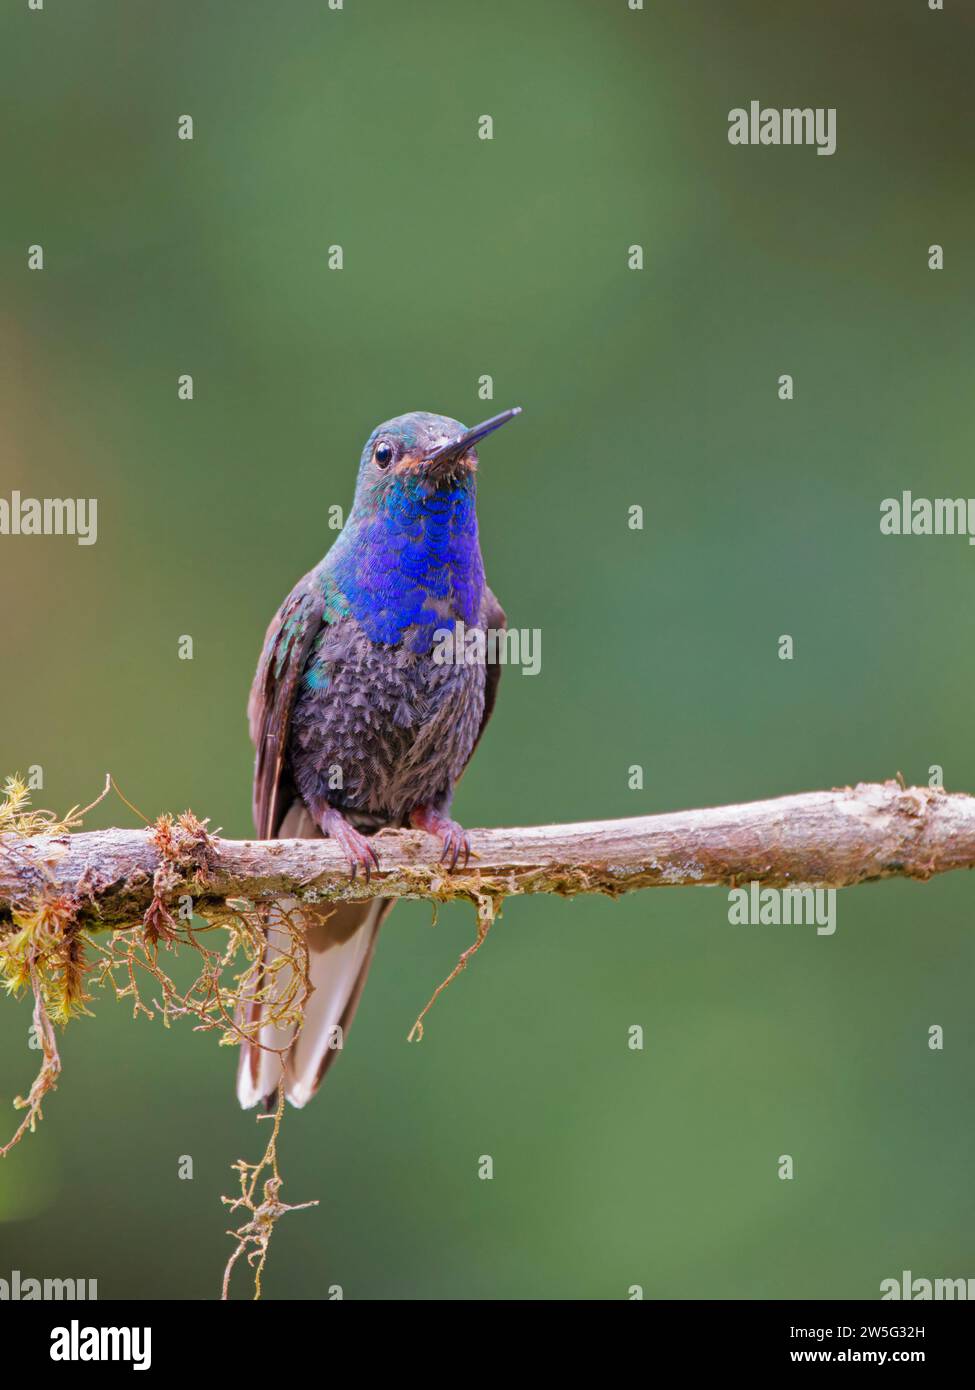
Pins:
x,y
332,823
455,838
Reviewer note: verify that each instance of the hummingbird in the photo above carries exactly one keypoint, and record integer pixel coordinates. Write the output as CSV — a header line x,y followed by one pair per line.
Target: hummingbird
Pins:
x,y
358,725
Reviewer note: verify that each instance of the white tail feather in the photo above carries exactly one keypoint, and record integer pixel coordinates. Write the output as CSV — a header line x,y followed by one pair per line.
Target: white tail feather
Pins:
x,y
259,1070
337,974
339,953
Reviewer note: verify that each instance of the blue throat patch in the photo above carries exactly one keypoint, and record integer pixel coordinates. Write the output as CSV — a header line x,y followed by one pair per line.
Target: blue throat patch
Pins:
x,y
409,549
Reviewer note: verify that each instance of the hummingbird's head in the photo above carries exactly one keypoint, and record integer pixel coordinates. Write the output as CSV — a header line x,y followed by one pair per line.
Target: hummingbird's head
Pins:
x,y
408,557
423,451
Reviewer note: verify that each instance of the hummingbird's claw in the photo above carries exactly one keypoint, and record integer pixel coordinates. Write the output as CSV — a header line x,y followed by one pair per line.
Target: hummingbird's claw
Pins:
x,y
455,840
359,851
454,837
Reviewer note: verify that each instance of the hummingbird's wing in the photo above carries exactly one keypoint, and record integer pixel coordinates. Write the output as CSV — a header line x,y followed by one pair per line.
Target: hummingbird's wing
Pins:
x,y
340,946
492,616
287,644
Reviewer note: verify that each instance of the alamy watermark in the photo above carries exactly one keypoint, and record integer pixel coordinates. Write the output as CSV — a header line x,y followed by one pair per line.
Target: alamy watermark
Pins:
x,y
23,1289
921,1290
754,905
77,1343
908,515
493,646
793,125
50,516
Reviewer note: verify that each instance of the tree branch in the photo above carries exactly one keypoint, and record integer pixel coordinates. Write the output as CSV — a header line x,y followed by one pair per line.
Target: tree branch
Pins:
x,y
826,839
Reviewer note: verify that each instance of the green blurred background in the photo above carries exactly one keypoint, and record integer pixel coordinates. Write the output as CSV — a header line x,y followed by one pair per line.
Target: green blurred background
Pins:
x,y
658,388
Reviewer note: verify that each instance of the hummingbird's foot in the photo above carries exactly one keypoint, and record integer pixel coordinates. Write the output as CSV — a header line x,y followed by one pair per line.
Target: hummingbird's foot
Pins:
x,y
456,840
360,852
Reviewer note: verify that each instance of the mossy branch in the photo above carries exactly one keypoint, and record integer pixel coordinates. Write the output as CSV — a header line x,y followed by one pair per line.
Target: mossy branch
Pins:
x,y
60,888
829,839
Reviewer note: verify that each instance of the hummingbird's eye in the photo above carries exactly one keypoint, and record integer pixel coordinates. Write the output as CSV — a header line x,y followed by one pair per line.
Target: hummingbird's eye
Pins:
x,y
383,454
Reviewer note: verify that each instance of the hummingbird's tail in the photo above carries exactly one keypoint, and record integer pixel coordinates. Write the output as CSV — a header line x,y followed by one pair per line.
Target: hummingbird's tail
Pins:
x,y
339,954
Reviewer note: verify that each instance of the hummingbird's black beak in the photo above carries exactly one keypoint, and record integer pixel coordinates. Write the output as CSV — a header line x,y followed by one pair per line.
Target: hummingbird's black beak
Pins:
x,y
454,448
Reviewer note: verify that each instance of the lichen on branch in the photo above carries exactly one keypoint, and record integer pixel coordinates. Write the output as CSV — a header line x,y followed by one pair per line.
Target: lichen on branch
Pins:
x,y
48,947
